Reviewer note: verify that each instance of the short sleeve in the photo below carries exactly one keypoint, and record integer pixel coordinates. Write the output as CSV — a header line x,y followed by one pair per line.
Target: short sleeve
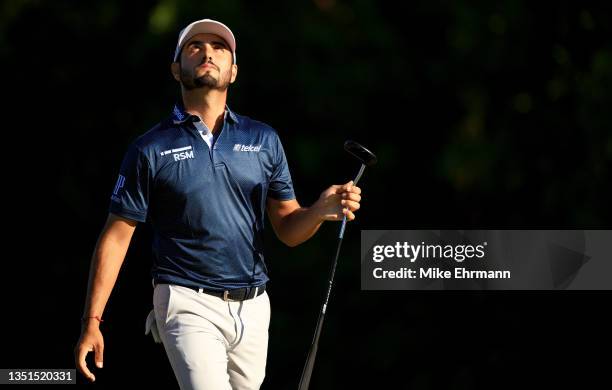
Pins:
x,y
130,196
281,186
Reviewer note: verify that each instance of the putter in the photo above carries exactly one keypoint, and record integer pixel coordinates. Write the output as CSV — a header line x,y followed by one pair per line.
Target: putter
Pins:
x,y
367,159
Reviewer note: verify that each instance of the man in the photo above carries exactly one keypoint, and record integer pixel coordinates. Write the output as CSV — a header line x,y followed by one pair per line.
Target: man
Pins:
x,y
203,179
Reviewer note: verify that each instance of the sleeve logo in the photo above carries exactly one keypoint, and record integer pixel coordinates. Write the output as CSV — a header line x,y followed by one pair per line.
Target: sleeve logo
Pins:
x,y
119,185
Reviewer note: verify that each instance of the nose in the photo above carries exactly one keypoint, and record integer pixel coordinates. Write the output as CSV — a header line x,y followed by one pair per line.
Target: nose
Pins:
x,y
208,50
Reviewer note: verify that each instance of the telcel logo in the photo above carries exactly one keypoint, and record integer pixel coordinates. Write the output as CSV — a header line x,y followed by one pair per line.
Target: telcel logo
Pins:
x,y
247,148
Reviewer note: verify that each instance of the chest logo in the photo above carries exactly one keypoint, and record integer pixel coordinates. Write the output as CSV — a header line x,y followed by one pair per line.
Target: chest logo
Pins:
x,y
247,148
180,153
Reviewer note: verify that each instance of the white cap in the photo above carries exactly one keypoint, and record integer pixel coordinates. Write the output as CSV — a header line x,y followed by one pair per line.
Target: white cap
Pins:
x,y
206,26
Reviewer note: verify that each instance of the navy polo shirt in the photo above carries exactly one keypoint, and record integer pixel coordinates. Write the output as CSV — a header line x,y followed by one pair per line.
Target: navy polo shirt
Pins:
x,y
206,205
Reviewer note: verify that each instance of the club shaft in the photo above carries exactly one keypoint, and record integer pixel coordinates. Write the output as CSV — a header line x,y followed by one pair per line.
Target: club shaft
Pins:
x,y
312,353
363,167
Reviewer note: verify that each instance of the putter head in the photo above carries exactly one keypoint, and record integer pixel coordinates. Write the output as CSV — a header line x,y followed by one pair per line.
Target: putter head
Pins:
x,y
366,157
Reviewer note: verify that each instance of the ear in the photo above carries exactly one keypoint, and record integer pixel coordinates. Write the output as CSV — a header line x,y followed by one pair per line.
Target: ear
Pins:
x,y
234,73
175,68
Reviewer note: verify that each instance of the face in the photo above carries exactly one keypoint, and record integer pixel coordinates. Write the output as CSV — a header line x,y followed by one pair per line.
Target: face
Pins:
x,y
205,62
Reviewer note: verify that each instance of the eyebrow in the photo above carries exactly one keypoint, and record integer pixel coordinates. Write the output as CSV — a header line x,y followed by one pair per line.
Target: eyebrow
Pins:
x,y
221,43
213,42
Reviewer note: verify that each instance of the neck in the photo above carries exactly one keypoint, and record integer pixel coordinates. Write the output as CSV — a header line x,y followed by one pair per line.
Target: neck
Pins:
x,y
208,104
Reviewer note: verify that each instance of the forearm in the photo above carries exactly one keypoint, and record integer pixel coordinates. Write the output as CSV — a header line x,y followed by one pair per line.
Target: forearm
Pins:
x,y
106,262
300,225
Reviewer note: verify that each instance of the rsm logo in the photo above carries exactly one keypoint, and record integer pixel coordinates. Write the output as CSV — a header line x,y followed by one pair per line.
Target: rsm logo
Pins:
x,y
183,155
180,153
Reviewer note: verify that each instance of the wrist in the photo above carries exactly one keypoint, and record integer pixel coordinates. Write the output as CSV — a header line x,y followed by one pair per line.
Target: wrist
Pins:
x,y
91,321
318,211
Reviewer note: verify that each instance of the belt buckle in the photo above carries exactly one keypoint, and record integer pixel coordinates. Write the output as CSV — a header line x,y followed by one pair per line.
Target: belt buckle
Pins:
x,y
226,297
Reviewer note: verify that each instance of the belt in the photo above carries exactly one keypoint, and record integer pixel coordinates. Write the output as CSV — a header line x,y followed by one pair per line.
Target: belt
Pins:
x,y
239,294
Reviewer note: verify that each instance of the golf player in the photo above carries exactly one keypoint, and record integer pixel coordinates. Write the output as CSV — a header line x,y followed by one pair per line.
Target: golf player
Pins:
x,y
203,178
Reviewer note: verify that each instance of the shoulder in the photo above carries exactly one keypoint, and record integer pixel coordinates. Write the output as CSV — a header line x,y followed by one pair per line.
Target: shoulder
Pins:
x,y
249,124
258,132
156,134
156,138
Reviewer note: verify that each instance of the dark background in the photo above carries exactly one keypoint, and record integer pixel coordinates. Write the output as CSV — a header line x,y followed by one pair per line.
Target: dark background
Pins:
x,y
482,114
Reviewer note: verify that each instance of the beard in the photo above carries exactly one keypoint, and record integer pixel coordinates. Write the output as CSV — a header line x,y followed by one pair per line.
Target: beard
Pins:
x,y
190,82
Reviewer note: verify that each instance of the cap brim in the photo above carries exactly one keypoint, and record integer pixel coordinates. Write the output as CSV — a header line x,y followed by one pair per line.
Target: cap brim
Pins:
x,y
206,26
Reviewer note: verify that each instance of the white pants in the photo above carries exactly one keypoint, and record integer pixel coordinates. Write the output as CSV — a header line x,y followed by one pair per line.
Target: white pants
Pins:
x,y
213,344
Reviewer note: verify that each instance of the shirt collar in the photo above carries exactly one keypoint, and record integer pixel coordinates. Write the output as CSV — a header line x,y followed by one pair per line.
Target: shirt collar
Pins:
x,y
179,115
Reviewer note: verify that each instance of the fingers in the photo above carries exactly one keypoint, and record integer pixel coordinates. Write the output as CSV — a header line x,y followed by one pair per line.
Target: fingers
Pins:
x,y
341,188
81,364
352,205
353,189
349,214
351,196
99,355
348,187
